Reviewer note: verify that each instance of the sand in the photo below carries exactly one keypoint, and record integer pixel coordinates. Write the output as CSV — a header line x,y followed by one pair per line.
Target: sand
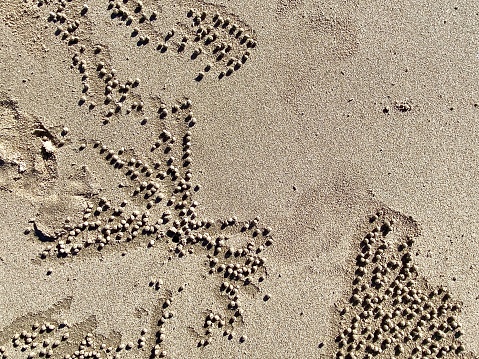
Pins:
x,y
238,179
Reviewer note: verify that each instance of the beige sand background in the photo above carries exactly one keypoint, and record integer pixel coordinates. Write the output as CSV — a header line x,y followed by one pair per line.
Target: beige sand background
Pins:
x,y
298,136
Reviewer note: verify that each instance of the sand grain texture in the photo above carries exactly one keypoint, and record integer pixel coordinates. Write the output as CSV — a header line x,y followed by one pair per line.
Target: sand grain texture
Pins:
x,y
238,179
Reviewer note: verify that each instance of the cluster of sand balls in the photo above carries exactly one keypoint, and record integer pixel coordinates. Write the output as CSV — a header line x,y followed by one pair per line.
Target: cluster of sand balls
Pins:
x,y
221,40
224,40
51,339
40,339
67,28
100,83
91,348
159,210
132,13
237,269
162,190
392,312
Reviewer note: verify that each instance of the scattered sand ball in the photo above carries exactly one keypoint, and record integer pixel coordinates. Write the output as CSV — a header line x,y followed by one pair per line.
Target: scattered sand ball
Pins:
x,y
39,335
48,147
22,167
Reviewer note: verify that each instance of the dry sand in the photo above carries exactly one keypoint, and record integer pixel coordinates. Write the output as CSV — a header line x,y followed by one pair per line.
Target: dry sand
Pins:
x,y
239,179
